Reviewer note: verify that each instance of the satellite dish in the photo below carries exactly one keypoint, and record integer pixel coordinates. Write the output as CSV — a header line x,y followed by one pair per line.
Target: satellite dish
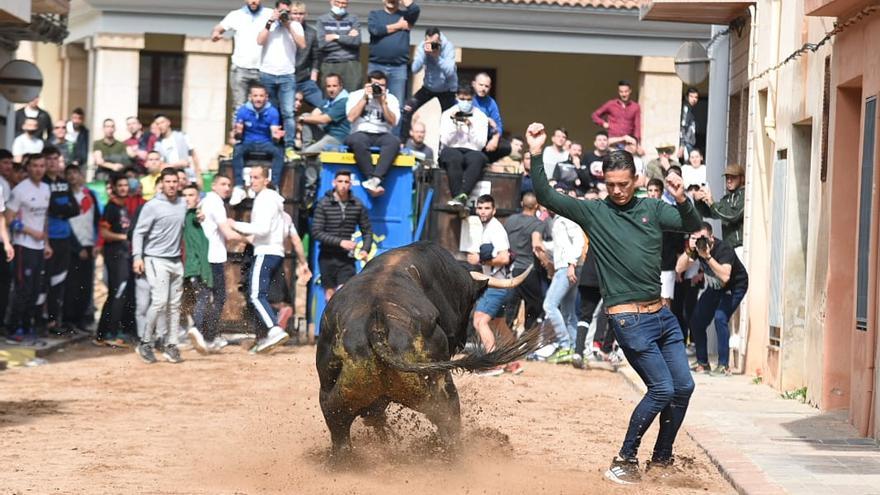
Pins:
x,y
692,63
20,81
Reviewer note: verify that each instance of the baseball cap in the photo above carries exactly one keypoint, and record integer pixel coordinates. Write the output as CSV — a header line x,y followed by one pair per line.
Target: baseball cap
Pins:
x,y
734,169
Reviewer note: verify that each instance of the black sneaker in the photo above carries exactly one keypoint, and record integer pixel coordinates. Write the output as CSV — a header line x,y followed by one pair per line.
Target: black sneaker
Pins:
x,y
624,471
659,464
145,352
171,354
577,361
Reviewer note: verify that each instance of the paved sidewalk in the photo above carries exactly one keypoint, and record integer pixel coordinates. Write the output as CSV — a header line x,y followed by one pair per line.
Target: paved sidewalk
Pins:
x,y
764,444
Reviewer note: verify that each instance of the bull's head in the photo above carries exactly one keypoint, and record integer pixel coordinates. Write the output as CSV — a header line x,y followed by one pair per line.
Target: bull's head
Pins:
x,y
502,283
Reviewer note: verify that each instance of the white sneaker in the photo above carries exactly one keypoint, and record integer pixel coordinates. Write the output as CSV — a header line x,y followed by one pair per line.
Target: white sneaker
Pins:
x,y
546,351
238,195
198,340
371,184
276,337
217,344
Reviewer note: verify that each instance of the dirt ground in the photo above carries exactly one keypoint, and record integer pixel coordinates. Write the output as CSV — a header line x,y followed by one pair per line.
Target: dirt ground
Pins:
x,y
100,421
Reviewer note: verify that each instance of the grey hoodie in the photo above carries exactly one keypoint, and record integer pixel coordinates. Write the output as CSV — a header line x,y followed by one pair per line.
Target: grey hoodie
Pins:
x,y
159,228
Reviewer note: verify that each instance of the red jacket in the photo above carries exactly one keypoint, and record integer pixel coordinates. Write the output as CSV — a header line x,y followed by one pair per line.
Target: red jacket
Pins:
x,y
623,120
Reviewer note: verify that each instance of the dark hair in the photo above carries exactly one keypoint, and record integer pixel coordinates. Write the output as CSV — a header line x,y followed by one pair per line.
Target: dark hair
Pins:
x,y
5,154
624,82
72,168
377,75
672,168
602,132
27,158
160,116
108,120
114,178
707,227
167,171
51,150
191,185
342,172
656,182
465,89
333,74
618,160
431,31
592,189
563,130
693,90
257,85
285,2
486,198
78,111
519,138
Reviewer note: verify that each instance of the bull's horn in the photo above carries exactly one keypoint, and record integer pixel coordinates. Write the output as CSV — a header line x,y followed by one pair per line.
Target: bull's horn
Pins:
x,y
502,283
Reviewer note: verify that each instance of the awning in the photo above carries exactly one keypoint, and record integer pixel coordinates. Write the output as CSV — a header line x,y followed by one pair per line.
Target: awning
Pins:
x,y
693,11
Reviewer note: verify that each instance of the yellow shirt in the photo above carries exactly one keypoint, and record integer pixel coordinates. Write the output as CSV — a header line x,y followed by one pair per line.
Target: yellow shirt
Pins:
x,y
148,186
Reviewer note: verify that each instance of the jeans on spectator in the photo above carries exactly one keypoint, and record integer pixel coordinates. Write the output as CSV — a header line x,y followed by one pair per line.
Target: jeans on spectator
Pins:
x,y
79,288
422,96
262,272
240,80
397,76
29,271
717,304
360,143
350,70
238,157
118,264
218,300
463,168
590,298
531,291
165,276
282,94
654,347
312,94
559,306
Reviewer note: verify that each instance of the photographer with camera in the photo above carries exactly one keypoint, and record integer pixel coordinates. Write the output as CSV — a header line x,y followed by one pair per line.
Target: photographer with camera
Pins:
x,y
726,285
437,57
463,134
373,113
280,38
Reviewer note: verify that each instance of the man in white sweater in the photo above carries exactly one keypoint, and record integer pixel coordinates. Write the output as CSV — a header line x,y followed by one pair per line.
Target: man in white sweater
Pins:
x,y
267,230
464,131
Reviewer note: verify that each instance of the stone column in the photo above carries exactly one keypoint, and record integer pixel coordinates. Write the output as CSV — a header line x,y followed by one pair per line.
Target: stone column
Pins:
x,y
660,99
113,80
205,82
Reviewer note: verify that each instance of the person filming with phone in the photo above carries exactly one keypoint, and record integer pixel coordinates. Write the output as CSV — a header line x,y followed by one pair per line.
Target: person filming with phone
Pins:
x,y
726,285
463,134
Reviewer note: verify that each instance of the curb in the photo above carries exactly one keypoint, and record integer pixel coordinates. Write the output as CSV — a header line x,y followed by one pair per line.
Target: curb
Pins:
x,y
17,355
746,477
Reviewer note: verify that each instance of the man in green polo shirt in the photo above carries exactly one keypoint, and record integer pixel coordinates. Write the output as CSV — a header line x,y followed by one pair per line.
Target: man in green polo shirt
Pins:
x,y
626,236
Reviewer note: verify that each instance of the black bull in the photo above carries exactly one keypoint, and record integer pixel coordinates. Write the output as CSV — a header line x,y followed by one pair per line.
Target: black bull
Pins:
x,y
389,335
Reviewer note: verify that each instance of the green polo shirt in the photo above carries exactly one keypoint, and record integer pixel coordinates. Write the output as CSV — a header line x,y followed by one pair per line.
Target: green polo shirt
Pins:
x,y
626,240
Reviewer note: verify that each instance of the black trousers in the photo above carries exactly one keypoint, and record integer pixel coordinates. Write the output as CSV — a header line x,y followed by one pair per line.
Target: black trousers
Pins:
x,y
590,298
57,271
360,143
531,291
218,299
463,168
29,272
5,285
500,152
78,289
422,96
119,278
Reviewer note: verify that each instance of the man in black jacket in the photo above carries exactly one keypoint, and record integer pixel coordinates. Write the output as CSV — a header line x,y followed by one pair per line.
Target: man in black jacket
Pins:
x,y
337,216
32,110
307,59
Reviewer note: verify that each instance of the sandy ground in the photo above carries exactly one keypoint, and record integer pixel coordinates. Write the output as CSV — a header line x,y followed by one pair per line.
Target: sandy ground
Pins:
x,y
101,421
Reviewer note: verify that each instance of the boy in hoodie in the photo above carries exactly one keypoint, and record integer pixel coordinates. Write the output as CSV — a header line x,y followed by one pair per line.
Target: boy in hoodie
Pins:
x,y
258,124
268,231
155,247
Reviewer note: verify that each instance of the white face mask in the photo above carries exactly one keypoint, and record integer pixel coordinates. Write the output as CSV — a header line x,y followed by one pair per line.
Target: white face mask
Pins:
x,y
466,105
337,11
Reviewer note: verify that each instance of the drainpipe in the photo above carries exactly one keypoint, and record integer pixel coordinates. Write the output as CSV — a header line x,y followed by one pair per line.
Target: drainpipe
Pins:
x,y
719,97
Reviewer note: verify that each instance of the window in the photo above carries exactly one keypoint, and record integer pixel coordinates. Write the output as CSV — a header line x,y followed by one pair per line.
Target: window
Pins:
x,y
866,200
161,80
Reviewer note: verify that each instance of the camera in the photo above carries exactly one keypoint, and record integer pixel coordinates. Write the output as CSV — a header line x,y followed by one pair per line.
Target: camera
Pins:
x,y
461,116
285,16
702,243
435,45
377,89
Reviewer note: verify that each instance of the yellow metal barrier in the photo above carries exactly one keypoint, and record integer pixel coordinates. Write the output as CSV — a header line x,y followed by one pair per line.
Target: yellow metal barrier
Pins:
x,y
348,159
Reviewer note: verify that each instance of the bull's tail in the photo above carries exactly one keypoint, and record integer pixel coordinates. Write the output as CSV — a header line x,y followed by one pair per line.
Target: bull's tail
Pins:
x,y
526,344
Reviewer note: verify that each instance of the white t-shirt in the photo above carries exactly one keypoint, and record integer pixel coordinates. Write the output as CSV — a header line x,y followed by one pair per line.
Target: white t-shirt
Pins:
x,y
247,53
23,145
31,203
5,191
289,226
693,176
493,232
372,119
215,215
279,52
551,157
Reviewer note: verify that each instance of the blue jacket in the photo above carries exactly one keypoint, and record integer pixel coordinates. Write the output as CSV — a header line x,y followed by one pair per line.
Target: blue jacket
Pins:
x,y
62,207
440,75
393,48
490,108
257,125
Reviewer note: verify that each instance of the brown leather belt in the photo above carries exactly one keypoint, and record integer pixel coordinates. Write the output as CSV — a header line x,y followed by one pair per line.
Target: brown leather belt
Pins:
x,y
639,307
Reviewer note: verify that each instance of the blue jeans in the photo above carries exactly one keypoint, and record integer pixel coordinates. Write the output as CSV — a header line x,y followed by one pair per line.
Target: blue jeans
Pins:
x,y
720,305
654,346
396,84
282,94
267,147
560,305
265,266
312,94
